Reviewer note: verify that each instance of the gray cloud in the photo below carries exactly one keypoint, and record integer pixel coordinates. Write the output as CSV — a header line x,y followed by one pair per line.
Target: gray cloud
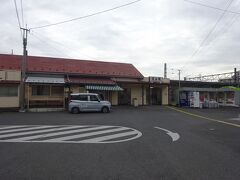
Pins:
x,y
146,34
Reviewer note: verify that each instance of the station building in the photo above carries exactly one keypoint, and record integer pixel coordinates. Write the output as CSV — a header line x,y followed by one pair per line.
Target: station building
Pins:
x,y
50,81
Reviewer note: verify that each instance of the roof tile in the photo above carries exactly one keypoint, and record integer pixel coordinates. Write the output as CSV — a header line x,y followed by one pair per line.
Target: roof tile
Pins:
x,y
61,65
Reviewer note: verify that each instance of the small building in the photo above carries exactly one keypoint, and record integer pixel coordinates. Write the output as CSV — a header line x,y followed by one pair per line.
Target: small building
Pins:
x,y
203,94
157,90
50,81
9,88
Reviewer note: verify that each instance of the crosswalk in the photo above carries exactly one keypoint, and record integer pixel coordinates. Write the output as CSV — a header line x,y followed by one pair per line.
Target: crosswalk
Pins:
x,y
67,133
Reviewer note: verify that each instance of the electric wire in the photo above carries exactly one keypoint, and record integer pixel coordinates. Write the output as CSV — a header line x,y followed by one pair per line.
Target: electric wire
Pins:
x,y
63,46
53,47
221,32
59,44
86,16
18,19
22,13
224,30
210,32
226,27
212,7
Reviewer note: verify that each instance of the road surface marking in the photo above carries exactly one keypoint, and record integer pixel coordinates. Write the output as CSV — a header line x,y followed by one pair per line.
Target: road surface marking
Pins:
x,y
25,129
203,117
35,132
70,134
58,133
10,127
174,136
103,139
87,134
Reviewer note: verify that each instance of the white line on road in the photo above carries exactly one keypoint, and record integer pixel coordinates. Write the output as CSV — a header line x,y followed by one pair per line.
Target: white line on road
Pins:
x,y
11,127
174,136
86,134
68,134
35,132
104,139
25,129
58,133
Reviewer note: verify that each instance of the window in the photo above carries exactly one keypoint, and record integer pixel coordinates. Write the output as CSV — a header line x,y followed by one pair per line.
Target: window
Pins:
x,y
93,98
8,91
79,97
57,90
41,90
74,97
83,98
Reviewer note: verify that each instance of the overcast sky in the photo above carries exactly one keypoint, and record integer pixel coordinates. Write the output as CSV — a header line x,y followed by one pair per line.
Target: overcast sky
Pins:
x,y
147,34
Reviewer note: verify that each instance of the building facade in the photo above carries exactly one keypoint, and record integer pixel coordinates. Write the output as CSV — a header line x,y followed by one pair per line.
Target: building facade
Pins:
x,y
50,81
9,88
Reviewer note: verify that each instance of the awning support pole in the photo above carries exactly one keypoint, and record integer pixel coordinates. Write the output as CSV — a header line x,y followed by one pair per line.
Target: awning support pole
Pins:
x,y
28,96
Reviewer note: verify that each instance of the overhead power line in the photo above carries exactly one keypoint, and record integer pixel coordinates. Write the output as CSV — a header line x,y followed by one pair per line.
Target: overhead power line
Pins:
x,y
230,24
210,32
86,16
46,39
19,24
213,28
22,13
212,7
50,46
224,30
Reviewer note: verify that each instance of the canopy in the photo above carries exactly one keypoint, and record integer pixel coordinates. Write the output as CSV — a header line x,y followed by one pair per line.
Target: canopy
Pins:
x,y
49,80
103,88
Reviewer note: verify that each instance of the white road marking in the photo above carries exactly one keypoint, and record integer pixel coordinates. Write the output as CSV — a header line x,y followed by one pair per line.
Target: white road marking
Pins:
x,y
11,127
174,136
58,133
106,138
35,132
25,129
87,134
69,134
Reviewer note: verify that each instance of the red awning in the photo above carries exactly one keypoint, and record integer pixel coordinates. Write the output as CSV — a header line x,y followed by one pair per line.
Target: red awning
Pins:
x,y
81,80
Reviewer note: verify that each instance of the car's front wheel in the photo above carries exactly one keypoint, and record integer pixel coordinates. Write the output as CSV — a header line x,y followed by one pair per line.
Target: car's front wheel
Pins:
x,y
75,110
105,109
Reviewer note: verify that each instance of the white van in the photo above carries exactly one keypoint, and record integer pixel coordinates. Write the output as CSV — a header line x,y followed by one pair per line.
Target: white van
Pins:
x,y
81,102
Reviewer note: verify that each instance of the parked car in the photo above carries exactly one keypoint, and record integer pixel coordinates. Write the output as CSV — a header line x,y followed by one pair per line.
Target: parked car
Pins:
x,y
81,102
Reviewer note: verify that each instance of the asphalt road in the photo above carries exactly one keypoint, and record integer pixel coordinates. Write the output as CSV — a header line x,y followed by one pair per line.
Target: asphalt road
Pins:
x,y
205,150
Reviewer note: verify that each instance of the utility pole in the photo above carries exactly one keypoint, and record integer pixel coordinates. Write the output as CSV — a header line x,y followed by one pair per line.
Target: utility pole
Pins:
x,y
165,70
179,85
179,76
23,70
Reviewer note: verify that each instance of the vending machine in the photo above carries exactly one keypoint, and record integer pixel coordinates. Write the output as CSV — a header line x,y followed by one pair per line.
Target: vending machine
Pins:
x,y
194,99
